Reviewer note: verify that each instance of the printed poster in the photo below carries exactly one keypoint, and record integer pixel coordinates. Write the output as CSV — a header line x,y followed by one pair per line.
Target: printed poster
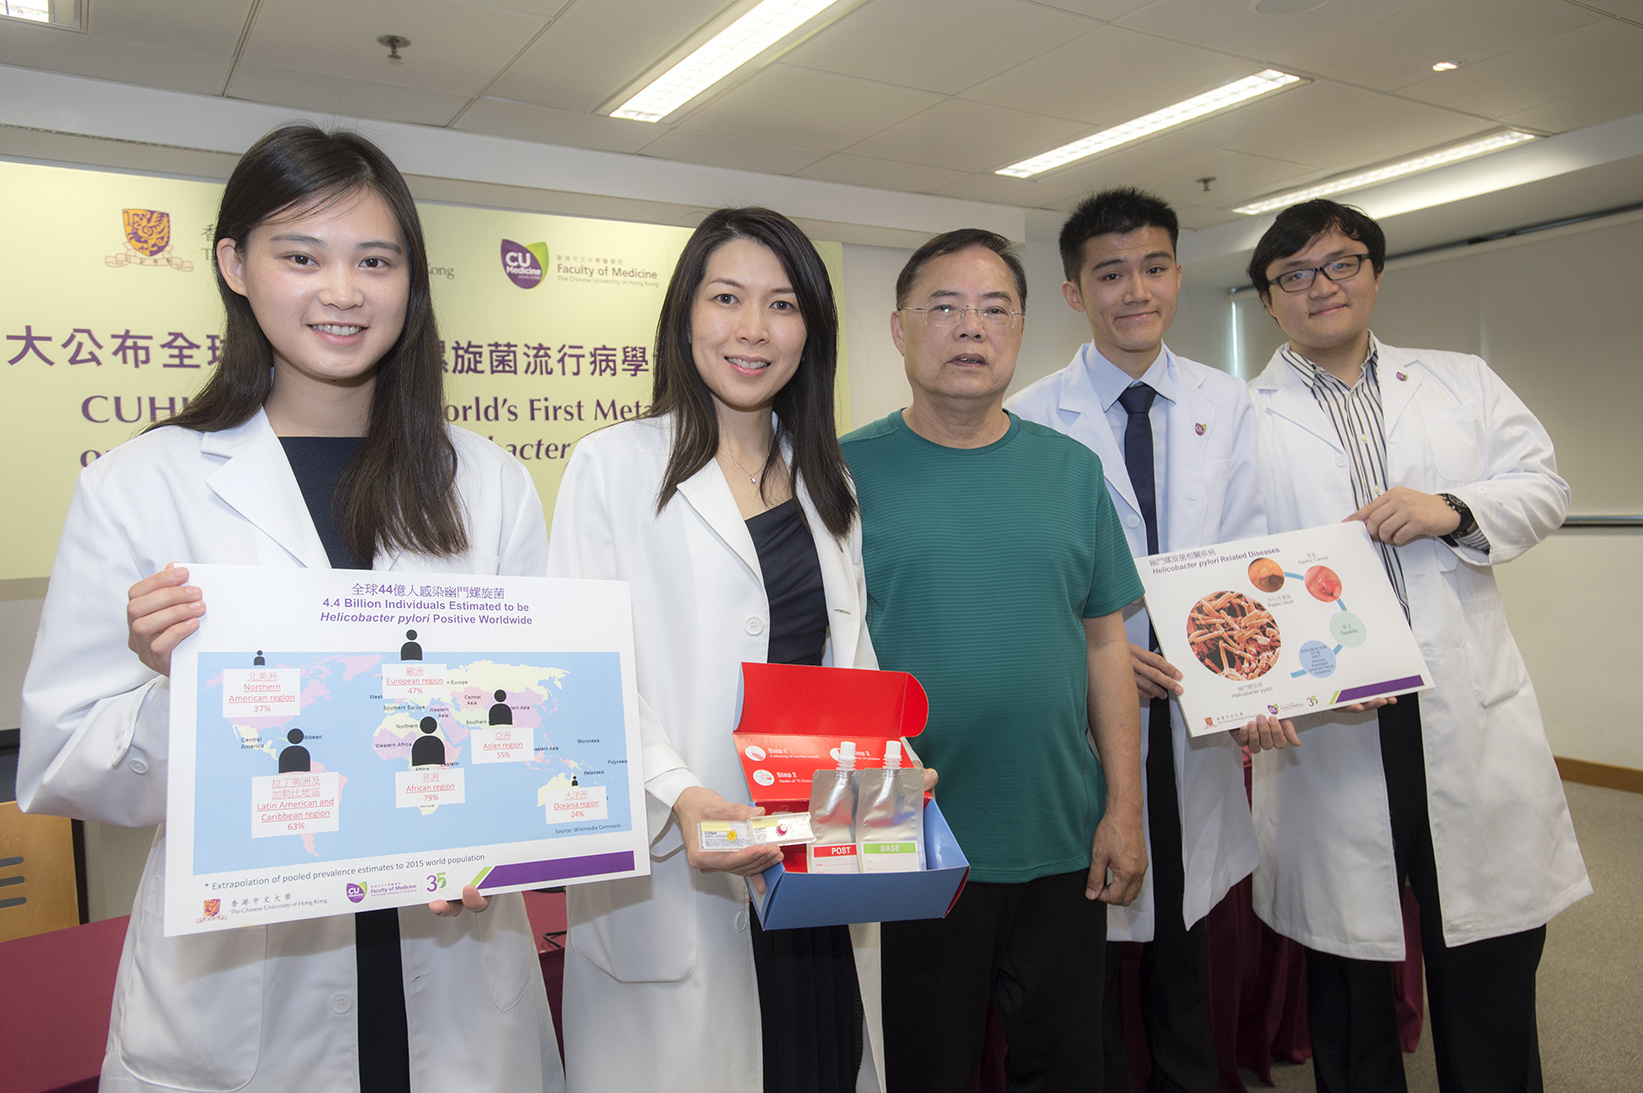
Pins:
x,y
1287,624
344,740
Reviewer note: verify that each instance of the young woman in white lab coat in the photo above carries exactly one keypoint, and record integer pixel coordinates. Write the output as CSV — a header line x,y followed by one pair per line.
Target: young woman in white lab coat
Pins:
x,y
328,388
729,510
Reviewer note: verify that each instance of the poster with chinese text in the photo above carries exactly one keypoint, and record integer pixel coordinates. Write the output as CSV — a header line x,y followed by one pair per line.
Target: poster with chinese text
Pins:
x,y
345,740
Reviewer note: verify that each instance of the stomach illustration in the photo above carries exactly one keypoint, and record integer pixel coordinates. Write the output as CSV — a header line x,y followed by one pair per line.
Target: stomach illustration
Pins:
x,y
1233,635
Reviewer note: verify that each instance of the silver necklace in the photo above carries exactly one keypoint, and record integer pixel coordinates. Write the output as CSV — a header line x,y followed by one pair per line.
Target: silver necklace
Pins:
x,y
751,477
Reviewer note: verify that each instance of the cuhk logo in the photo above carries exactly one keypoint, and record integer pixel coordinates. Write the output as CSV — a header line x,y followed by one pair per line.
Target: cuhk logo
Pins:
x,y
524,263
356,892
213,908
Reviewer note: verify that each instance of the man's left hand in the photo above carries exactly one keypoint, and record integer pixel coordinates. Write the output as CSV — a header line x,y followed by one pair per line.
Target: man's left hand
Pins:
x,y
1119,846
1402,515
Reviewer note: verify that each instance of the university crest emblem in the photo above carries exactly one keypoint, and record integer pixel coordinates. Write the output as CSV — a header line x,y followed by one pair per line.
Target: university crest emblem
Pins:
x,y
148,241
213,909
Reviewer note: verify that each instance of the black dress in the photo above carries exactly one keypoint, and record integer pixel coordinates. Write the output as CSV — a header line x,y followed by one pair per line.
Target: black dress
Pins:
x,y
384,1037
809,998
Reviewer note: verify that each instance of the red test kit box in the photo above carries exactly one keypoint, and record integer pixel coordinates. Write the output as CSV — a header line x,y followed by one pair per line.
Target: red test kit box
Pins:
x,y
793,719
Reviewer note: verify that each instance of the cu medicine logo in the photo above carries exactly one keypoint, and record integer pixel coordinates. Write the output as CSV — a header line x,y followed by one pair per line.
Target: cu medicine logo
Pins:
x,y
524,263
356,892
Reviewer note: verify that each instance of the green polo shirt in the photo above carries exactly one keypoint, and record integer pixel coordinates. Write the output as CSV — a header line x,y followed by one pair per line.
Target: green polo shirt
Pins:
x,y
982,564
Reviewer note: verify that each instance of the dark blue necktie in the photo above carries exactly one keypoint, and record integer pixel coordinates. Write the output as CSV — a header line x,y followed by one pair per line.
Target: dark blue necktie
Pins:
x,y
1164,809
1137,401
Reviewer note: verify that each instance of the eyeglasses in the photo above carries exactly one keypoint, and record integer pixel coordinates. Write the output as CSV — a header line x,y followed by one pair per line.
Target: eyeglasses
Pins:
x,y
1341,269
946,316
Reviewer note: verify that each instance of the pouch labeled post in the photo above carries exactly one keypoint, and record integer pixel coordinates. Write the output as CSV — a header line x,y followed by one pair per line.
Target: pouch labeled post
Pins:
x,y
833,816
890,816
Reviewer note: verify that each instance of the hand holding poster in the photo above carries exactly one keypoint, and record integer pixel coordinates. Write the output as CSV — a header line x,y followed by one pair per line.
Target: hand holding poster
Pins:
x,y
1287,624
344,740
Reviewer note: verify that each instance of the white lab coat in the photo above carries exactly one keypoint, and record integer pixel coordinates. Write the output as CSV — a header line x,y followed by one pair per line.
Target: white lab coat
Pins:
x,y
262,1008
1505,847
1211,494
660,991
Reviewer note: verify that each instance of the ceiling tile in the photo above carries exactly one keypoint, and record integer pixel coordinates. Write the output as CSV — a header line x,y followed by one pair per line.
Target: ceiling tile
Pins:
x,y
1401,48
200,26
1571,64
1336,127
1620,100
1628,8
1231,26
569,128
1174,176
1199,219
792,105
737,153
969,136
549,8
881,174
937,45
596,49
455,48
1000,190
1110,76
1100,9
104,59
337,95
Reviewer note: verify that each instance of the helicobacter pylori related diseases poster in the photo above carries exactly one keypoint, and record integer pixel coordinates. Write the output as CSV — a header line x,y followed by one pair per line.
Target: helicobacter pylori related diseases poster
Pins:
x,y
1287,624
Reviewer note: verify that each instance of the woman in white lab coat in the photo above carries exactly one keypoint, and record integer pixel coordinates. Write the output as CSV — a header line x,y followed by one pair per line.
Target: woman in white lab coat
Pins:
x,y
329,384
661,986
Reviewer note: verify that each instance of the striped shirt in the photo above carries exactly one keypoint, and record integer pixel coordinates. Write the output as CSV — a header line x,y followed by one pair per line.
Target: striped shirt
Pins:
x,y
1356,414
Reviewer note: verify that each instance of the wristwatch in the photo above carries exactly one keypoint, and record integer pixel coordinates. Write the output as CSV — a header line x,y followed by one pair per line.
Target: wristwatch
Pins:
x,y
1468,524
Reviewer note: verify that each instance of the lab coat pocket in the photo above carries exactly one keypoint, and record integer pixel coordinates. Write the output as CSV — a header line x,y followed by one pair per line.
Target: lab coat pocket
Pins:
x,y
1496,666
1456,439
507,949
1216,473
191,1007
639,929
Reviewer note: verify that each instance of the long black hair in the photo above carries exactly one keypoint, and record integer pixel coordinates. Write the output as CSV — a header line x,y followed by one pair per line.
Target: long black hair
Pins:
x,y
804,408
400,489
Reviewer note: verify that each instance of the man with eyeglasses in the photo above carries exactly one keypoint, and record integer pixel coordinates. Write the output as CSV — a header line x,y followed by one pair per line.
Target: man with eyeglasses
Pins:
x,y
1454,791
996,574
1177,443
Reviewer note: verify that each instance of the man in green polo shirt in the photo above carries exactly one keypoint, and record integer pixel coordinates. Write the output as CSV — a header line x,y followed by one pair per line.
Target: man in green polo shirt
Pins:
x,y
996,571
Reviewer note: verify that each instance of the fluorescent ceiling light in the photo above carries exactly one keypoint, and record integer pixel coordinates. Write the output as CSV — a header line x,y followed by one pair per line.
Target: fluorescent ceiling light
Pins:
x,y
721,55
1196,107
1358,181
64,14
35,11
